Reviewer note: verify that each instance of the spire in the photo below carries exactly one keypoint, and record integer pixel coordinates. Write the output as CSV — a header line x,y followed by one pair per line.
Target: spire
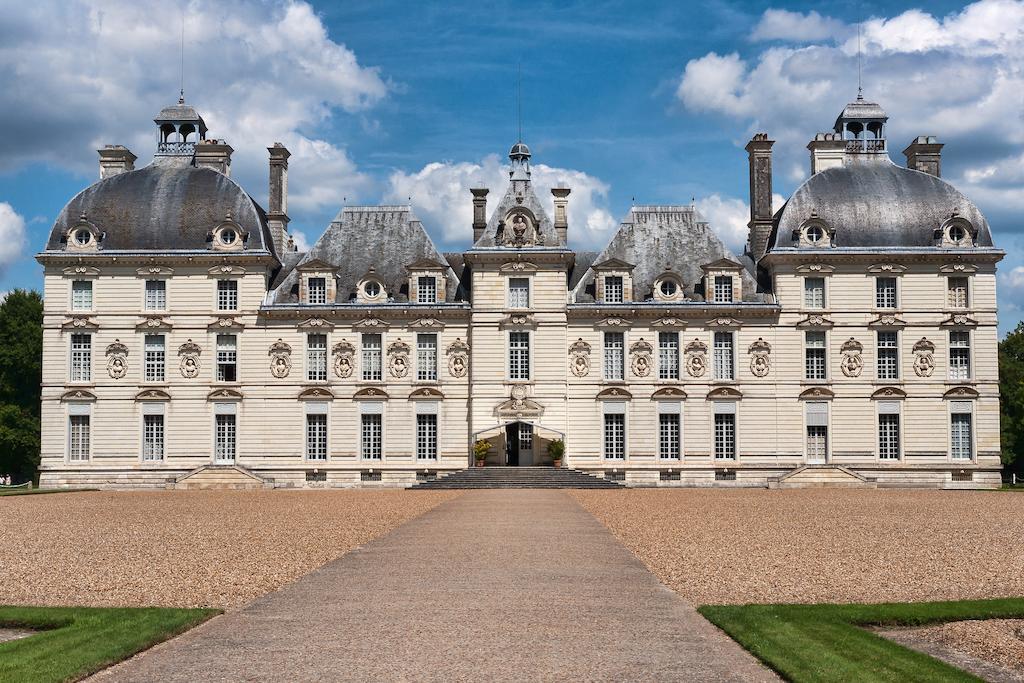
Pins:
x,y
519,155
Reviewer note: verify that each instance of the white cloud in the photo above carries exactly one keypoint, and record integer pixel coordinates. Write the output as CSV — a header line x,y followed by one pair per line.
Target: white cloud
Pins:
x,y
12,236
780,24
1011,287
728,217
439,193
258,72
959,77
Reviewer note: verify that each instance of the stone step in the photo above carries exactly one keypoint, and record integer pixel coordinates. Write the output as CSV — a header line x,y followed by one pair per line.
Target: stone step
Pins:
x,y
517,477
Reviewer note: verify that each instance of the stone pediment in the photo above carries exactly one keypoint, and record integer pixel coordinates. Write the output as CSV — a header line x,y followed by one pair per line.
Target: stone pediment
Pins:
x,y
670,393
518,408
958,268
77,395
318,265
518,267
225,323
425,264
226,270
316,394
614,264
887,268
429,393
155,323
721,393
889,393
152,272
82,272
316,323
669,321
888,320
815,269
722,264
370,394
723,322
815,320
613,322
79,322
426,323
152,395
959,320
224,394
963,393
817,394
518,320
613,394
370,323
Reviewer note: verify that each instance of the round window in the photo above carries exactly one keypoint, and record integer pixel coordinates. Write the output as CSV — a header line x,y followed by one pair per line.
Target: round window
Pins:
x,y
83,236
815,234
372,290
228,236
957,233
668,288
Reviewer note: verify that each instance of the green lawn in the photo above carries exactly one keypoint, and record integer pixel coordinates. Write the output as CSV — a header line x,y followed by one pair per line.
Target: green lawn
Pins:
x,y
74,642
826,643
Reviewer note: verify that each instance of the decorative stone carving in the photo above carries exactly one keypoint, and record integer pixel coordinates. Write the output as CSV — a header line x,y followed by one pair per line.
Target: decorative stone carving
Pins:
x,y
889,392
674,393
189,363
315,324
426,323
373,393
519,230
668,322
225,322
696,358
959,320
280,359
344,353
426,393
760,361
316,394
887,320
398,359
78,395
815,320
724,393
961,392
613,393
458,358
723,322
924,358
117,363
579,358
152,395
614,322
640,353
79,322
518,321
370,323
152,322
852,363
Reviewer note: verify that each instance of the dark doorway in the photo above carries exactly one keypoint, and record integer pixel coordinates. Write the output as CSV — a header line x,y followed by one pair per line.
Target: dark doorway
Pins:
x,y
512,444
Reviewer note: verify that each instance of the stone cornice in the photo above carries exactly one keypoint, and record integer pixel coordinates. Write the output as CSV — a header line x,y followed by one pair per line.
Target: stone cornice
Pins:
x,y
841,256
150,258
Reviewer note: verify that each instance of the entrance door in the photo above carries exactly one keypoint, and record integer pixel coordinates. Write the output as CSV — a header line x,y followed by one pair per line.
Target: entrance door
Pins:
x,y
525,444
512,444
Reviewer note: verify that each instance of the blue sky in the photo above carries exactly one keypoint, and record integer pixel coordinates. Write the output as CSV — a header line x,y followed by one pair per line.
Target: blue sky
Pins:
x,y
384,101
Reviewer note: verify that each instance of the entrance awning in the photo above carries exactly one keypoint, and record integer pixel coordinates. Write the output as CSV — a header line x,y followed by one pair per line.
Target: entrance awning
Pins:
x,y
540,430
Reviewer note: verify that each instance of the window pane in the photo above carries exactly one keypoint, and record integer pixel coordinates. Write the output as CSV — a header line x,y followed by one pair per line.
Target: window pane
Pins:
x,y
426,357
723,357
225,438
78,437
959,354
615,436
152,437
613,355
723,289
519,292
960,436
81,358
668,435
426,290
613,289
815,362
889,436
227,295
817,442
372,357
154,361
814,292
81,295
888,356
957,287
316,436
156,295
519,355
317,290
725,436
370,437
668,355
426,437
316,357
227,358
885,292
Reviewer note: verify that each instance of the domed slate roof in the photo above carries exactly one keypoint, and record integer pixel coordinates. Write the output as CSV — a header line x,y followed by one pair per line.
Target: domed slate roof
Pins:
x,y
519,149
877,204
163,207
178,112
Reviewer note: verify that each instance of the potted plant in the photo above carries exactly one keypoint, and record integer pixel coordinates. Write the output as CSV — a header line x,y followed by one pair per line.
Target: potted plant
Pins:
x,y
556,449
480,450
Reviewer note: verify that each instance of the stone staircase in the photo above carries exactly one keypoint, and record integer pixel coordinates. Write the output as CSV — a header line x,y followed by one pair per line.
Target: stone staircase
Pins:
x,y
821,476
221,477
517,478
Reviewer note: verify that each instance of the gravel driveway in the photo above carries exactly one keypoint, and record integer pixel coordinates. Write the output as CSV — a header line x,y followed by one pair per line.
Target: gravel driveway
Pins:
x,y
184,548
821,545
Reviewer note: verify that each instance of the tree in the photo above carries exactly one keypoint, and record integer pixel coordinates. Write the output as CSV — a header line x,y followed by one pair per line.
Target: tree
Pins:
x,y
1011,389
21,361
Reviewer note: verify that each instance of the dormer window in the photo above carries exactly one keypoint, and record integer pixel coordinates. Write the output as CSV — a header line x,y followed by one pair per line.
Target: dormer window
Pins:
x,y
228,235
317,290
668,288
956,232
815,233
372,290
426,290
83,237
613,289
723,289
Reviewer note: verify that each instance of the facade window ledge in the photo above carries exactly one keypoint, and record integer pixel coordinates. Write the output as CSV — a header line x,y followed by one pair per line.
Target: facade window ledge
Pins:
x,y
513,382
887,382
426,382
815,382
960,382
606,382
724,382
79,385
370,383
226,385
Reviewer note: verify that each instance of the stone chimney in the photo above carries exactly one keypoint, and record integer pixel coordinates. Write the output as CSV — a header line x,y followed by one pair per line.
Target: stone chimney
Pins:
x,y
215,154
479,211
827,151
115,159
561,196
759,151
277,212
925,154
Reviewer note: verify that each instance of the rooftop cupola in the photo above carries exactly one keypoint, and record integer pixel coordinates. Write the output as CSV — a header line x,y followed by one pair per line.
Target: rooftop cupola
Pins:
x,y
520,157
180,128
862,126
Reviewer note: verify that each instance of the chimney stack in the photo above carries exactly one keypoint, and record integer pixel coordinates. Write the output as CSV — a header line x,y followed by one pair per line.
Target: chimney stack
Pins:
x,y
115,159
215,154
828,150
277,213
759,151
925,154
561,195
479,211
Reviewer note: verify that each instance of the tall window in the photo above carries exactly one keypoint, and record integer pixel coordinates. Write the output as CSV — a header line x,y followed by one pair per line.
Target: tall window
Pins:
x,y
960,431
426,357
668,355
957,292
885,292
614,344
81,295
519,355
888,355
317,290
152,437
815,356
817,431
426,437
316,436
370,433
224,438
889,436
78,437
668,436
725,436
155,360
613,290
227,295
814,292
372,367
519,292
615,436
723,356
723,289
426,290
959,354
227,358
316,357
156,295
81,357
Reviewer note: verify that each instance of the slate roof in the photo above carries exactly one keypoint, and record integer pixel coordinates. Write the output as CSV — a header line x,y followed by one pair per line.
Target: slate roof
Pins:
x,y
519,193
875,203
660,238
861,109
163,207
386,238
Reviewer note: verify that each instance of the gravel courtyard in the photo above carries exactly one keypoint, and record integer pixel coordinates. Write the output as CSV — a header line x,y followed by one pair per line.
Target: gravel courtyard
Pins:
x,y
821,545
184,548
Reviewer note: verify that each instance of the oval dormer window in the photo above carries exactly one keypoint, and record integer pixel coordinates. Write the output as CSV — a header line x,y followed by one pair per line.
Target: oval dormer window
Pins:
x,y
82,237
372,290
957,233
815,234
669,288
228,237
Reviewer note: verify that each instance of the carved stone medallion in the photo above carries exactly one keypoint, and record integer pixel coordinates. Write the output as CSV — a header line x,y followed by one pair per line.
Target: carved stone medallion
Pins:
x,y
398,359
344,353
924,358
280,359
458,358
117,359
189,363
852,363
640,354
579,358
696,358
760,357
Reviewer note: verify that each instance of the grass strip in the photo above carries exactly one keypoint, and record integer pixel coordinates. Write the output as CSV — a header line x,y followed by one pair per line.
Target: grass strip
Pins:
x,y
827,643
74,642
